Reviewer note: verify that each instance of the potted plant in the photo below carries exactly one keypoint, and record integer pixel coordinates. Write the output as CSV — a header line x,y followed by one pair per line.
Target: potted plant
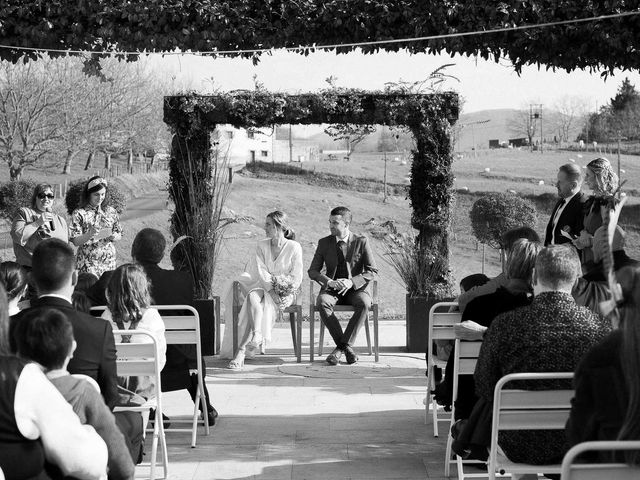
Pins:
x,y
420,269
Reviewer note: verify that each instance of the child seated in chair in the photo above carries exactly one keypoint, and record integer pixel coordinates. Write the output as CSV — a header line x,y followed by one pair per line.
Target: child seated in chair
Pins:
x,y
46,337
129,299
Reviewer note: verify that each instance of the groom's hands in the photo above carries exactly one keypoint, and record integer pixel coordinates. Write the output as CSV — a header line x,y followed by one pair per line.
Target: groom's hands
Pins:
x,y
340,286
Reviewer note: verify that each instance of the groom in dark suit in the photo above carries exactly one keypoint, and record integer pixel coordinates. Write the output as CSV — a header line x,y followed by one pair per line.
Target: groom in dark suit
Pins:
x,y
348,268
568,214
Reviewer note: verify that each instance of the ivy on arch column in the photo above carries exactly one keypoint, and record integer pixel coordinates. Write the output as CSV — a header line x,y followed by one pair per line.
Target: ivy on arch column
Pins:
x,y
195,178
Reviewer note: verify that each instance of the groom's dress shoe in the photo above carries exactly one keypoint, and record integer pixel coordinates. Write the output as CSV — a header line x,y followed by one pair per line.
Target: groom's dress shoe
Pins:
x,y
334,357
350,355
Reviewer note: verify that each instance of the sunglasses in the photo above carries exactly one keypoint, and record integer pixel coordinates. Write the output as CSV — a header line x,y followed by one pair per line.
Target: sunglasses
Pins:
x,y
42,196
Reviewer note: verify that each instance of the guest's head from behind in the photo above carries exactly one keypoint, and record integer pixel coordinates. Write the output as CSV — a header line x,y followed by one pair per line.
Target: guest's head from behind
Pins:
x,y
600,177
557,269
340,221
276,224
148,246
472,281
128,293
4,323
569,180
94,193
81,302
14,279
511,236
45,336
86,280
521,260
42,198
53,268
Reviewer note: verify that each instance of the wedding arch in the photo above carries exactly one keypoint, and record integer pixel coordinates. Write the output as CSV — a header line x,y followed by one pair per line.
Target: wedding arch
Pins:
x,y
194,168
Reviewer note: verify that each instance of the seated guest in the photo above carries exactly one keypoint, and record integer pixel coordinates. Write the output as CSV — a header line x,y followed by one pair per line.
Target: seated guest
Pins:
x,y
492,285
129,300
37,425
550,335
168,287
606,404
54,276
79,298
481,311
46,337
14,279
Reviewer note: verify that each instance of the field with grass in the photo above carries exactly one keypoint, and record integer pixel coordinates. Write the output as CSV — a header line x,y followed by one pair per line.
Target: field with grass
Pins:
x,y
308,203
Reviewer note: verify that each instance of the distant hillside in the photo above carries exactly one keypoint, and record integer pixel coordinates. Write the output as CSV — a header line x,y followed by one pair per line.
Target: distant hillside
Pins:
x,y
470,128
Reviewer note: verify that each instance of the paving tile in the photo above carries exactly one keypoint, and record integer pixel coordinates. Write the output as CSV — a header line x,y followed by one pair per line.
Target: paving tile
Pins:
x,y
283,426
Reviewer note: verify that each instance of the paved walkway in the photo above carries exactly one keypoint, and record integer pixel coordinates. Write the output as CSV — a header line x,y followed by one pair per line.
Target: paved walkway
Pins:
x,y
282,420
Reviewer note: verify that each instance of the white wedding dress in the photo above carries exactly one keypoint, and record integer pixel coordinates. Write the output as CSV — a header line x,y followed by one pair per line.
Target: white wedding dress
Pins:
x,y
258,277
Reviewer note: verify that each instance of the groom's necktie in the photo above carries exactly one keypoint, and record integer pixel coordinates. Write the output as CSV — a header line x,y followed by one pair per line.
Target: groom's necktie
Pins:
x,y
342,271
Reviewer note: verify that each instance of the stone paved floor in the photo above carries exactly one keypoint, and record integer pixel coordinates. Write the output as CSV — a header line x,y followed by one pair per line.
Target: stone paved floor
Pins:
x,y
282,420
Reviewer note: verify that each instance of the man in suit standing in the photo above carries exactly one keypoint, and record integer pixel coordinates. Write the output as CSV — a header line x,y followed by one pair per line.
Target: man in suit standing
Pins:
x,y
568,214
349,267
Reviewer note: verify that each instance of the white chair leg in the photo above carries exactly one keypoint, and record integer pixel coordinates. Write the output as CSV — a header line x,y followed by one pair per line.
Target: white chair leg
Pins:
x,y
154,448
163,452
194,419
203,405
447,456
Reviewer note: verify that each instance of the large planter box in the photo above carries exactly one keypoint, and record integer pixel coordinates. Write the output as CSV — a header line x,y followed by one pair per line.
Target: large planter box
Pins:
x,y
206,311
417,309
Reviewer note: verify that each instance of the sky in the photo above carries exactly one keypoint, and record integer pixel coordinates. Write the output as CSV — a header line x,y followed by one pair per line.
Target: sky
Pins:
x,y
483,84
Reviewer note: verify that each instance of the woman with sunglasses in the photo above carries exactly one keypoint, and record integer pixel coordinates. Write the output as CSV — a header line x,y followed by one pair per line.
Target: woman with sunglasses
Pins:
x,y
36,223
94,228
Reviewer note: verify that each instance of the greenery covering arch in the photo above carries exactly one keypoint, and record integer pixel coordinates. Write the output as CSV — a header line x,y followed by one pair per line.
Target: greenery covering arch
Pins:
x,y
193,117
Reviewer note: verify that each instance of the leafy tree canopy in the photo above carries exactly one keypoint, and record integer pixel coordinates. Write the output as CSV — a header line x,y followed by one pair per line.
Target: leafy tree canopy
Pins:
x,y
210,25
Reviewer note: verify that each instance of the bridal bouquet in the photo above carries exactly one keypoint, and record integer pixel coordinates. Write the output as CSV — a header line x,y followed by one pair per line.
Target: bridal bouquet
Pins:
x,y
283,286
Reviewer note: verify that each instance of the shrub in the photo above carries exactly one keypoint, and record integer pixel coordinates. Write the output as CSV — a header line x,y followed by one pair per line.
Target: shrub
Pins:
x,y
115,198
420,269
495,213
14,195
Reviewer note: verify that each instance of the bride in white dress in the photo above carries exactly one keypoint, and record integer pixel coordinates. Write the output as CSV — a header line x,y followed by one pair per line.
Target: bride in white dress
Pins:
x,y
278,254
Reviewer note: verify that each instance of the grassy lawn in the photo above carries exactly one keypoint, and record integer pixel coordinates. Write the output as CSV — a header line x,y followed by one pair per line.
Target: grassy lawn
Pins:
x,y
308,207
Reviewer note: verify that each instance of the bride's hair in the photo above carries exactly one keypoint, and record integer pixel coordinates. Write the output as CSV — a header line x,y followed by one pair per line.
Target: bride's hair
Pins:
x,y
281,221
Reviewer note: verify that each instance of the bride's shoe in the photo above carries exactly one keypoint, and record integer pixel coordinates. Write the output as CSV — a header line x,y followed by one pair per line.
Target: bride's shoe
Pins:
x,y
263,347
238,362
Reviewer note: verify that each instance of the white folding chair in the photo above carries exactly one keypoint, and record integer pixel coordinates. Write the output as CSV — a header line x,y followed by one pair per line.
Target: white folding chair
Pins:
x,y
344,308
441,322
571,470
464,363
141,359
527,410
182,327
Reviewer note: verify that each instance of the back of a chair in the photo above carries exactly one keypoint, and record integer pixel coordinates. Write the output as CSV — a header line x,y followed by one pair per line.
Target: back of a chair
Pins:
x,y
441,322
598,471
528,409
181,324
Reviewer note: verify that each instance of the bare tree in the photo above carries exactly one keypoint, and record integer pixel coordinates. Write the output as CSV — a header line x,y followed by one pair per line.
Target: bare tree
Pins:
x,y
522,125
570,111
28,100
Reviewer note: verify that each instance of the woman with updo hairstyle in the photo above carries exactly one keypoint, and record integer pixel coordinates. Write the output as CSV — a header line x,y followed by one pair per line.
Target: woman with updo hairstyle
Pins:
x,y
603,182
14,280
94,228
36,223
277,261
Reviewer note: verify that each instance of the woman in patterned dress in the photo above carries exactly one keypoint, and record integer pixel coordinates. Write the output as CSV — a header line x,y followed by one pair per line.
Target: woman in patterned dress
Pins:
x,y
94,228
